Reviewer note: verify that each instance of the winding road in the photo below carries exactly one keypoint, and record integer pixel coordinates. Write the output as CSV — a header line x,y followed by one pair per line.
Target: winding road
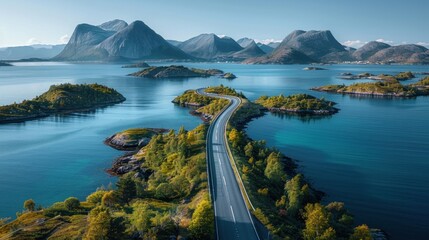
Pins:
x,y
232,217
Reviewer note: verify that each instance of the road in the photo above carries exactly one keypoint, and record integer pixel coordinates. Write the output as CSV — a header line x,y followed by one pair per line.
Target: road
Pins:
x,y
233,219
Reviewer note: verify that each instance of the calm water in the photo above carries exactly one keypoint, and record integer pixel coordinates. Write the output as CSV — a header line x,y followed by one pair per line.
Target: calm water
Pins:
x,y
373,155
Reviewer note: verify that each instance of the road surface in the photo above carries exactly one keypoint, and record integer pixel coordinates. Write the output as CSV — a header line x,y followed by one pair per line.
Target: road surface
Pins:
x,y
233,219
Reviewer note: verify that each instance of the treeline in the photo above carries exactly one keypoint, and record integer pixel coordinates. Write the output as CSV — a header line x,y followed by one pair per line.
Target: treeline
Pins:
x,y
169,199
222,90
207,105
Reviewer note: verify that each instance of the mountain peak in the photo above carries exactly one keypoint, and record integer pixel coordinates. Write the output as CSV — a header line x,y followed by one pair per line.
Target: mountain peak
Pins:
x,y
114,25
209,46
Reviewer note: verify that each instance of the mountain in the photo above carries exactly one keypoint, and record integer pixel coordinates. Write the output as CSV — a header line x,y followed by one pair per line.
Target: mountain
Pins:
x,y
419,58
282,56
369,49
33,51
244,42
210,46
265,48
306,47
114,25
252,50
174,42
314,44
399,54
116,40
138,41
273,44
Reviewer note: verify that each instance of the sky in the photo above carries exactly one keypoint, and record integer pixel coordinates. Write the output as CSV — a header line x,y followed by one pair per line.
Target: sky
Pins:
x,y
353,23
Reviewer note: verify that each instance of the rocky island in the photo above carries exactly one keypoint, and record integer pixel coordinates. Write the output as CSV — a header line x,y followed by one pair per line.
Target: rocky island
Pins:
x,y
5,64
313,69
133,138
382,89
302,104
61,98
402,76
178,71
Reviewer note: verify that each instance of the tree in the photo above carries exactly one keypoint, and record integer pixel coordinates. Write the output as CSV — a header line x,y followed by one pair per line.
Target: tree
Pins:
x,y
201,226
295,194
235,137
248,150
98,224
274,169
126,189
29,205
72,203
109,199
140,217
317,226
361,232
164,191
96,196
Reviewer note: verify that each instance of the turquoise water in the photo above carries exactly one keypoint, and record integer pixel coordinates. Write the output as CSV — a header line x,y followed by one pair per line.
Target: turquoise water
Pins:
x,y
373,155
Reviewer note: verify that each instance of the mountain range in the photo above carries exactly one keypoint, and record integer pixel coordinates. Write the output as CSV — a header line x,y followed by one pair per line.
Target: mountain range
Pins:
x,y
117,40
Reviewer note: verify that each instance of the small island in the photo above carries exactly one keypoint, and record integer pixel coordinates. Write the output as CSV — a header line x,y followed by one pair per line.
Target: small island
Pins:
x,y
178,71
137,65
229,76
313,69
382,89
63,98
133,138
402,76
302,104
5,64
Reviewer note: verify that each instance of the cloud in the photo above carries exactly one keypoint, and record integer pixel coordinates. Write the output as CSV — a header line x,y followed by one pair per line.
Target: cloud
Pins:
x,y
33,41
354,43
267,41
384,41
424,44
64,39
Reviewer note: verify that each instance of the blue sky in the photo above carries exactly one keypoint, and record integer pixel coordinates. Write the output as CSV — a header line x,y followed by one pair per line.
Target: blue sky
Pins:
x,y
352,22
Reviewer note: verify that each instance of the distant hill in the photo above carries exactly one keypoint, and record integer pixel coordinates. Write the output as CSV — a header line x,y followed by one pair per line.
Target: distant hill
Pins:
x,y
265,48
174,42
282,56
251,50
244,42
210,46
408,53
369,49
33,51
116,40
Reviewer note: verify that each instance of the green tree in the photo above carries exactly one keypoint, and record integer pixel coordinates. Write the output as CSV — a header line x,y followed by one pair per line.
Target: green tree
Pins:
x,y
98,224
140,217
317,226
274,169
72,203
109,199
248,150
29,205
96,196
295,195
361,232
126,188
201,226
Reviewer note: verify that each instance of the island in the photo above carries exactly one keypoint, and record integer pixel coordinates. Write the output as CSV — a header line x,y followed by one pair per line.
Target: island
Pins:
x,y
402,76
178,71
313,69
229,76
137,65
5,64
63,98
302,104
382,89
133,138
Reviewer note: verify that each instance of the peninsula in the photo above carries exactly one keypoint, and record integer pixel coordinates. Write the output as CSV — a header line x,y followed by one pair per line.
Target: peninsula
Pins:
x,y
61,98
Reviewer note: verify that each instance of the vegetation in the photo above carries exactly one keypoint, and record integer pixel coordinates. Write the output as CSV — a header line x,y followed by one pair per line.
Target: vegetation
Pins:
x,y
133,138
298,103
229,76
175,71
30,205
61,98
222,90
381,88
172,200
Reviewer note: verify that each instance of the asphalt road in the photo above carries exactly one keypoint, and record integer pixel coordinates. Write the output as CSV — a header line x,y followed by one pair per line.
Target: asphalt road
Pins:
x,y
233,219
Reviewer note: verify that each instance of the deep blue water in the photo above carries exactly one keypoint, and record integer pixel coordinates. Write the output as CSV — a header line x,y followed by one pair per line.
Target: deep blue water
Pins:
x,y
373,155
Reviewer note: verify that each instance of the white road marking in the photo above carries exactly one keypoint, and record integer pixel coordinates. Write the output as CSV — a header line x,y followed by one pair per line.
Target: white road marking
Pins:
x,y
224,181
232,211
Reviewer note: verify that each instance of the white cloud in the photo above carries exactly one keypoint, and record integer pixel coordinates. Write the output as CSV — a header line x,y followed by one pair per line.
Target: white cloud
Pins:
x,y
424,44
267,41
384,41
354,43
33,41
64,39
